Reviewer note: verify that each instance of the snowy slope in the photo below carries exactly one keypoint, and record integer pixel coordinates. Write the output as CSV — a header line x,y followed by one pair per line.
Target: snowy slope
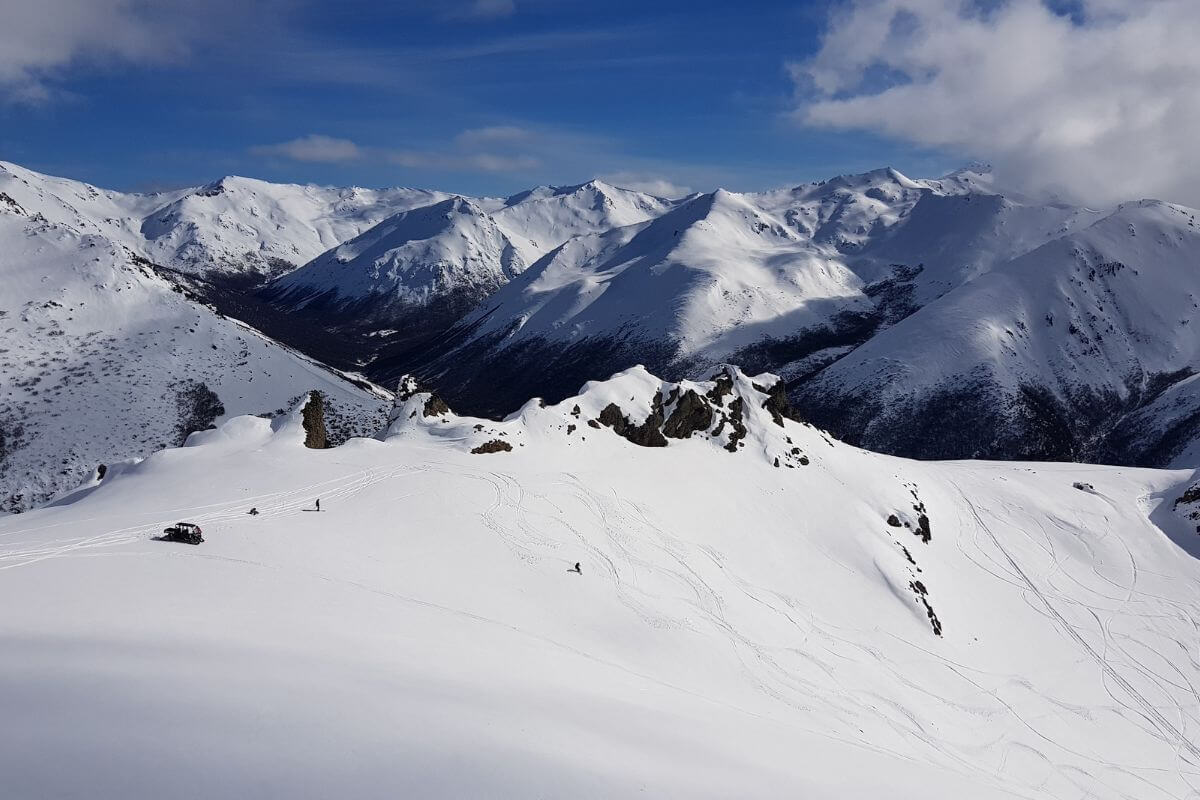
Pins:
x,y
786,280
544,217
101,360
236,227
462,249
1042,357
748,630
407,260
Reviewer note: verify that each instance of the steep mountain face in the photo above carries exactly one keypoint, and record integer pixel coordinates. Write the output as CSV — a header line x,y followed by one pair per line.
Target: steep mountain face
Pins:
x,y
101,359
452,250
1078,350
459,248
233,229
910,629
380,300
789,281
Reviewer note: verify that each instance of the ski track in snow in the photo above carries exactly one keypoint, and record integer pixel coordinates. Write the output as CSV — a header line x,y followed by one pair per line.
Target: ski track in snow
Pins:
x,y
1136,702
288,503
650,570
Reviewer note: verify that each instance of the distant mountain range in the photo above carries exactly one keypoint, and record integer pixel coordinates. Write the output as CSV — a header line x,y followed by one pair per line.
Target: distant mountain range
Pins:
x,y
933,318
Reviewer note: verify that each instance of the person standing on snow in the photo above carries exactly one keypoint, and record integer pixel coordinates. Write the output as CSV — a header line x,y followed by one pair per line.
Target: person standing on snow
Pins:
x,y
318,504
577,568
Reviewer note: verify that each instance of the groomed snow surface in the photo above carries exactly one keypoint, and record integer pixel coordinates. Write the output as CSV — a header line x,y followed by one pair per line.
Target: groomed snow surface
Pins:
x,y
739,629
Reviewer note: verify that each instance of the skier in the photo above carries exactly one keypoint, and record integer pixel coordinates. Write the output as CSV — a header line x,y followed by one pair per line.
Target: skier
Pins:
x,y
576,569
318,504
253,512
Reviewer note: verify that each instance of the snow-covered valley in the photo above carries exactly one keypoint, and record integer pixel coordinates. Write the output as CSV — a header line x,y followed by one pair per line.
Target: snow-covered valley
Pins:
x,y
761,611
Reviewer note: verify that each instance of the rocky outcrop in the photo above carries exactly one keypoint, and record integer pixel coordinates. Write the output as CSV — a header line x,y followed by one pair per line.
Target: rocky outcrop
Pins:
x,y
722,410
198,407
493,446
1190,502
691,413
648,434
435,406
778,403
316,436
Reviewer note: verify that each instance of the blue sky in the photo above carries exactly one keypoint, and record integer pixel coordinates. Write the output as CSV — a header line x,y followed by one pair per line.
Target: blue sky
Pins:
x,y
473,96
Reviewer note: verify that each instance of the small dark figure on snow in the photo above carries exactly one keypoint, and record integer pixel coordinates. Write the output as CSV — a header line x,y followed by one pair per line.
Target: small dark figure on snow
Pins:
x,y
576,569
318,504
253,512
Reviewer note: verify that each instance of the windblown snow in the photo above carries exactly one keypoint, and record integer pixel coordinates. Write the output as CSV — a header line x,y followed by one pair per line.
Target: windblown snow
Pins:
x,y
762,611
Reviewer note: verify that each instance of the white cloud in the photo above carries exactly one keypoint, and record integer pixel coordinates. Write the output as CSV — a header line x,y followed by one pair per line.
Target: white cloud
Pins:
x,y
468,152
313,148
650,184
1096,100
42,39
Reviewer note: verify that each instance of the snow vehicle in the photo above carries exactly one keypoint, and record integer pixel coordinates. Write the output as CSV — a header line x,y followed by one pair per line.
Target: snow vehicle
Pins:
x,y
183,532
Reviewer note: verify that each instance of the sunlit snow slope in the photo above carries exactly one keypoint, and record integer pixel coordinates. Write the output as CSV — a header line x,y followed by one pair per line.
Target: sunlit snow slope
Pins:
x,y
748,622
102,360
233,227
460,249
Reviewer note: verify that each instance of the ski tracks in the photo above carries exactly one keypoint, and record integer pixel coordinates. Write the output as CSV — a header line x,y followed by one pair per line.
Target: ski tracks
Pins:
x,y
1163,728
285,503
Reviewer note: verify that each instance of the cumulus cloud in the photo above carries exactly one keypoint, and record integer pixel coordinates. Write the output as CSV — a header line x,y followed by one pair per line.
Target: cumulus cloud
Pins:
x,y
1093,100
313,148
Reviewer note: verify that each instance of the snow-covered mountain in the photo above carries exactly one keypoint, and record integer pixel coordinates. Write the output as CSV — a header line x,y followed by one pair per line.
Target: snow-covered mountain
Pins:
x,y
234,227
1079,350
102,359
449,250
893,307
791,617
454,253
787,280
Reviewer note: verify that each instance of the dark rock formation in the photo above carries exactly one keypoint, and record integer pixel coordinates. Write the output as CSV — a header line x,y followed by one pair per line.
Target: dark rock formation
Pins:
x,y
924,530
777,403
923,596
736,422
315,435
494,446
435,406
648,434
198,407
691,414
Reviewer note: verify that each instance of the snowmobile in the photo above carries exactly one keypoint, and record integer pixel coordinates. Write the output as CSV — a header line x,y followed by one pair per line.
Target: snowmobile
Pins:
x,y
182,532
